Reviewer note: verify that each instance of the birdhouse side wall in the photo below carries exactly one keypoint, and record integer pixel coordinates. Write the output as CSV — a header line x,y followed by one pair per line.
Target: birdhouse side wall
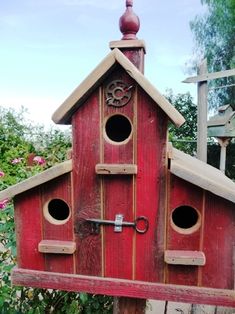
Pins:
x,y
184,198
198,220
218,243
35,224
28,224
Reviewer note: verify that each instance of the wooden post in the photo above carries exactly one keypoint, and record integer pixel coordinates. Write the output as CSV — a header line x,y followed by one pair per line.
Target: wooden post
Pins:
x,y
223,144
124,305
202,115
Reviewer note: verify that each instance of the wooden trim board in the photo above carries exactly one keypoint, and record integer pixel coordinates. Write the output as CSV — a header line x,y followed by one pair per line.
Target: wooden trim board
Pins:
x,y
37,180
112,169
122,287
57,247
209,76
64,113
180,257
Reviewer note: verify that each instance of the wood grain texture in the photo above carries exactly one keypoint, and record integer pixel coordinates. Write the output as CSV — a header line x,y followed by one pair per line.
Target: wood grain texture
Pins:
x,y
183,193
64,113
37,180
29,233
127,44
56,247
118,191
129,306
150,185
122,287
201,174
210,76
86,192
59,188
218,243
116,169
202,108
180,257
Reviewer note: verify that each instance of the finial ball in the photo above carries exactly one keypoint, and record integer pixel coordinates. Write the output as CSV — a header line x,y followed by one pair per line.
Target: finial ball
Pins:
x,y
129,22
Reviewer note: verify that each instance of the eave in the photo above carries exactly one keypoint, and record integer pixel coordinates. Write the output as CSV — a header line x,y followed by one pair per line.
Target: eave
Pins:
x,y
37,180
201,174
64,113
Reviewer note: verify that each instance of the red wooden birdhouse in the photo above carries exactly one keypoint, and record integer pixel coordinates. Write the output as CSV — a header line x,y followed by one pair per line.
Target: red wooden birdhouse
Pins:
x,y
128,215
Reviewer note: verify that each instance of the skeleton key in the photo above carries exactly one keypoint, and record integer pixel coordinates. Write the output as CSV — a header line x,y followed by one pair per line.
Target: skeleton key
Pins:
x,y
140,224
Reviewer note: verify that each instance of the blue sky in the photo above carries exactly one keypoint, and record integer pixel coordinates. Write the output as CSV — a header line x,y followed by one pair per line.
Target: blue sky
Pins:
x,y
49,46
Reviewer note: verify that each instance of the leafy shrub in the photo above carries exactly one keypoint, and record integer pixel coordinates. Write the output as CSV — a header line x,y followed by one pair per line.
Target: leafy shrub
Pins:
x,y
26,149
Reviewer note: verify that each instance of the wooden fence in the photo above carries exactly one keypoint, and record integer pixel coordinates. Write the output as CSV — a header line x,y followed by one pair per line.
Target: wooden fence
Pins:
x,y
160,307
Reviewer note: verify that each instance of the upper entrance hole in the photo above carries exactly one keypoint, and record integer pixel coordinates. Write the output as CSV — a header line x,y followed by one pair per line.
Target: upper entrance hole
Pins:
x,y
118,128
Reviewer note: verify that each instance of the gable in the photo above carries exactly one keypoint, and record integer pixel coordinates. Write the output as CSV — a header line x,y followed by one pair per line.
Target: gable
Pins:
x,y
64,113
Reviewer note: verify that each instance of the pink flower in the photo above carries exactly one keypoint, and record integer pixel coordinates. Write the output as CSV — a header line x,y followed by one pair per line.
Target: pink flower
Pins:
x,y
2,174
3,203
16,161
39,160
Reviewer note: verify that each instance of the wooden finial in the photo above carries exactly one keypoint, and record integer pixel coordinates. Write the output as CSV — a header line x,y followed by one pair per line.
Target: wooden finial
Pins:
x,y
129,22
129,3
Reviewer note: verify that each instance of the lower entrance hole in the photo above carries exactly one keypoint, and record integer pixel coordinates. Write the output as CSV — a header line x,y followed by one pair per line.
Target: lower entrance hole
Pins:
x,y
185,217
57,211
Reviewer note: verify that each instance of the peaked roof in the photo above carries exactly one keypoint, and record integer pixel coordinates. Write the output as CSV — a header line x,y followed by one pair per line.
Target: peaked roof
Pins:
x,y
37,180
64,113
201,174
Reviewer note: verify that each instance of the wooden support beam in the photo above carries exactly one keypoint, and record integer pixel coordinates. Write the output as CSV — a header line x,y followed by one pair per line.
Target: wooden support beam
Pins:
x,y
202,115
202,77
122,287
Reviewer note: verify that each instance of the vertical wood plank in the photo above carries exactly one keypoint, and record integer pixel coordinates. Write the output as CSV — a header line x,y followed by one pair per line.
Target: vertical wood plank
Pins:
x,y
125,305
87,198
28,218
203,309
202,115
224,310
218,243
150,188
178,308
59,188
118,190
155,307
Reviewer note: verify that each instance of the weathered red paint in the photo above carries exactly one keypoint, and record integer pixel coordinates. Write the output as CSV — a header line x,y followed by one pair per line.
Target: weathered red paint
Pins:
x,y
122,287
86,191
126,263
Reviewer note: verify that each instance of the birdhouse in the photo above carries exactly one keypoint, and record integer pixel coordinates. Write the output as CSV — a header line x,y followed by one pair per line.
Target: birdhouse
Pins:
x,y
128,215
222,125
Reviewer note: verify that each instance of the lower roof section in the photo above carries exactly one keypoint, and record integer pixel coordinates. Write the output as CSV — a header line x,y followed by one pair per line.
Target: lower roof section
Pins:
x,y
201,174
37,180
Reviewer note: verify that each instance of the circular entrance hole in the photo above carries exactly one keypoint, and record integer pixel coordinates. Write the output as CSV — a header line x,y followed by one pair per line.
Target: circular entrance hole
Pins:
x,y
185,219
57,211
118,128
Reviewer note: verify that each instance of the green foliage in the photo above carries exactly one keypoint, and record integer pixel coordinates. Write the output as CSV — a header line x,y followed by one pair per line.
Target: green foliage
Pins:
x,y
215,40
184,138
21,142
